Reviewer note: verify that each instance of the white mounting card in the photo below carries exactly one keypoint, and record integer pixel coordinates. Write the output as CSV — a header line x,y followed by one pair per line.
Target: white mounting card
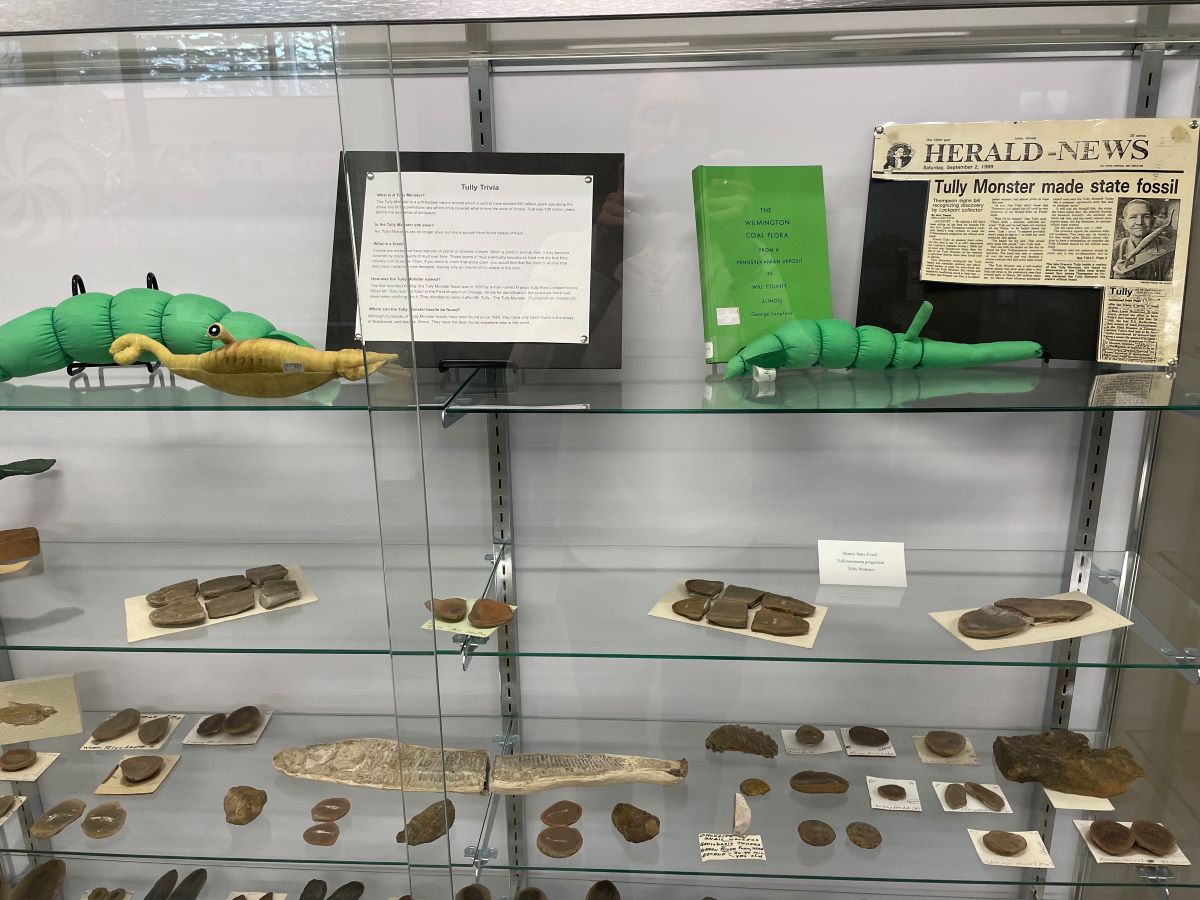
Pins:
x,y
479,257
874,563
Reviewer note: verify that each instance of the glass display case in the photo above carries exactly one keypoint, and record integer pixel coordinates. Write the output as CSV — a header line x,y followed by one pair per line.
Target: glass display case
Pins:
x,y
208,178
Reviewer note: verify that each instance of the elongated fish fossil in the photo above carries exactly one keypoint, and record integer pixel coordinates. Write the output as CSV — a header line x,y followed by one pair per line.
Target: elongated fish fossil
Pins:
x,y
529,773
25,713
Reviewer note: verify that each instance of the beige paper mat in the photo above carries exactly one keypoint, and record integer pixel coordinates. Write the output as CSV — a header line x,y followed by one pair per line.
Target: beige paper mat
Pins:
x,y
1137,856
1099,620
465,627
1034,856
137,612
131,741
59,703
662,610
115,784
1061,800
33,772
965,757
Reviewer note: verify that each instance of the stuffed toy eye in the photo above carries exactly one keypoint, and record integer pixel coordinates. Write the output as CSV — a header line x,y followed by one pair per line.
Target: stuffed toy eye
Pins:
x,y
214,331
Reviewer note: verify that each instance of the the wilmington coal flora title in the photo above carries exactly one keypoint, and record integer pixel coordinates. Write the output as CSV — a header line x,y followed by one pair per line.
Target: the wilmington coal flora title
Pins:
x,y
1097,202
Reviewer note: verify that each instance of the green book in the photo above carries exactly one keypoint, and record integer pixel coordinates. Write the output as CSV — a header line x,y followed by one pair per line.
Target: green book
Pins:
x,y
764,256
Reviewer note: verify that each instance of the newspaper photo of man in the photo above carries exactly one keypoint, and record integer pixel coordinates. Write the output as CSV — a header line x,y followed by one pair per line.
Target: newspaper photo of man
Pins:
x,y
1145,246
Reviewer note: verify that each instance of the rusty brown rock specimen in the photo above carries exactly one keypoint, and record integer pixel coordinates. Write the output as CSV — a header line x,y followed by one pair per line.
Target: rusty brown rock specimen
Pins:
x,y
1046,609
864,834
603,890
749,597
701,587
154,730
57,818
42,882
1005,843
810,782
987,797
956,796
867,736
816,833
137,769
448,609
945,743
474,892
25,713
260,575
564,812
892,791
117,725
991,622
242,720
103,821
559,841
690,608
789,605
17,759
742,739
728,613
636,825
428,825
226,584
180,590
323,834
179,614
231,604
1111,837
277,593
243,804
754,787
1152,837
330,810
490,614
809,735
1065,761
780,624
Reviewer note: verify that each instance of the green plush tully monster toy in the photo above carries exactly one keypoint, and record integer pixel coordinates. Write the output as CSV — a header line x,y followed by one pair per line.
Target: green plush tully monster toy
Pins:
x,y
836,344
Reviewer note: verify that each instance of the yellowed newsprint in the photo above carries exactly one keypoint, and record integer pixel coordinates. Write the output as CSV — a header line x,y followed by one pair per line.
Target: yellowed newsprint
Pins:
x,y
1087,203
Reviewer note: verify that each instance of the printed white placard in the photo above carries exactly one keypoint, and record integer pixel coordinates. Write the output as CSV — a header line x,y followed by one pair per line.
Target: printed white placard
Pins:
x,y
965,757
973,805
115,784
1137,856
729,315
465,627
131,741
911,802
731,846
227,740
1059,800
33,772
853,749
879,563
830,744
1034,856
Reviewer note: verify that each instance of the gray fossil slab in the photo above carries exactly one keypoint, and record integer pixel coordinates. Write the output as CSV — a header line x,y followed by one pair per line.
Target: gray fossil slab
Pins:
x,y
388,764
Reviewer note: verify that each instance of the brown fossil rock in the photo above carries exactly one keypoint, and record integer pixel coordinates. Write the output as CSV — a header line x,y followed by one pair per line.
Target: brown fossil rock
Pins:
x,y
428,825
260,575
987,797
743,739
781,624
210,726
226,584
1111,837
330,810
1046,609
277,593
991,622
137,769
750,597
636,825
754,787
868,736
116,725
104,821
179,614
945,743
448,609
230,604
692,608
242,720
728,613
474,892
243,804
559,841
603,890
7,801
490,614
809,735
564,812
1065,761
810,782
816,833
864,834
703,588
323,834
154,730
790,605
57,818
17,759
181,590
956,796
531,893
892,791
1152,837
1005,843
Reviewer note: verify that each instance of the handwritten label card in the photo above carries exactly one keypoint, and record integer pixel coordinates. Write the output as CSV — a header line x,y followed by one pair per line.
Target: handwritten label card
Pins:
x,y
715,847
877,563
1034,856
973,805
1060,800
910,803
830,744
853,749
965,757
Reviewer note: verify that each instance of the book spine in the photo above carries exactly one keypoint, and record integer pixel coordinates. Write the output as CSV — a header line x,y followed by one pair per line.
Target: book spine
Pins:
x,y
708,315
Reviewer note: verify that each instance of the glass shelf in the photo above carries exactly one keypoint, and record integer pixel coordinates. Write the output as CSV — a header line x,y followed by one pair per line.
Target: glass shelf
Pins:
x,y
675,385
930,847
594,602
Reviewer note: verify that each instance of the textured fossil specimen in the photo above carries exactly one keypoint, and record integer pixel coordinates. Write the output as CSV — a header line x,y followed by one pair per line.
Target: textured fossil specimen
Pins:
x,y
25,713
743,739
383,763
330,810
944,743
1005,843
1111,837
57,818
1152,837
1046,609
244,804
1066,761
529,773
104,821
428,825
636,825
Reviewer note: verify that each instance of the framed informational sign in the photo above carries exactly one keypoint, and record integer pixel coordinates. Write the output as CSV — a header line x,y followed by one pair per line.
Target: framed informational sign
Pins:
x,y
480,257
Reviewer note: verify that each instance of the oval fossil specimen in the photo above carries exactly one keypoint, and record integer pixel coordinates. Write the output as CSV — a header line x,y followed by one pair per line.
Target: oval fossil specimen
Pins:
x,y
810,782
781,624
243,804
742,739
892,791
728,613
1005,843
116,725
179,614
564,812
474,892
57,818
163,887
603,890
152,731
314,890
43,881
692,608
323,834
448,609
104,821
809,735
226,584
559,841
351,890
956,796
987,797
211,726
816,833
864,834
277,593
636,825
229,604
242,720
25,713
180,590
17,759
137,769
260,575
749,597
330,810
868,736
1111,837
754,787
790,605
1152,837
428,825
1046,609
703,588
489,614
945,743
991,622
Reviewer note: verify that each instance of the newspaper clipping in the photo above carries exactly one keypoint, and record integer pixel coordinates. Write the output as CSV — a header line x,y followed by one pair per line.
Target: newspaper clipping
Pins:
x,y
1098,202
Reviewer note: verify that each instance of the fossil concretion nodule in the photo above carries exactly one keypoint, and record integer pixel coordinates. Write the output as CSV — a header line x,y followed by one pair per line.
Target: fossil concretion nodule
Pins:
x,y
743,739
